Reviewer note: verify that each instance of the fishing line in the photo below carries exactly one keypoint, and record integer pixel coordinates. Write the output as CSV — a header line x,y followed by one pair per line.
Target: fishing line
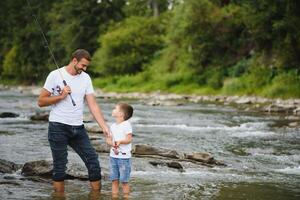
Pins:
x,y
47,45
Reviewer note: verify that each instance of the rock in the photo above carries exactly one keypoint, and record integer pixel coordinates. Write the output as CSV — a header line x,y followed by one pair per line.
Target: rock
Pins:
x,y
294,124
244,100
297,111
94,137
88,118
93,128
14,183
8,167
44,169
149,150
161,103
8,115
101,148
43,116
38,168
293,117
201,157
173,164
279,108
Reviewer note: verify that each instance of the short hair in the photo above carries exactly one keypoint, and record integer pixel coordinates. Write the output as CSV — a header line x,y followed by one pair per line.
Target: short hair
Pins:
x,y
126,109
81,53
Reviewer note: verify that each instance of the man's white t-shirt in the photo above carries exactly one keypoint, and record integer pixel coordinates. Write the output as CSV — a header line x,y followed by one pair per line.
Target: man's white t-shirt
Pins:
x,y
119,132
64,111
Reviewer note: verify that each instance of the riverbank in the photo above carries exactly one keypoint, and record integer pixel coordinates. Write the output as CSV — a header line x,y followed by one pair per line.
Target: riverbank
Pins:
x,y
289,108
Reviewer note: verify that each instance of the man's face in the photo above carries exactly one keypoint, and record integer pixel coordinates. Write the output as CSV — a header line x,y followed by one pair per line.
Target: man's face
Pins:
x,y
81,65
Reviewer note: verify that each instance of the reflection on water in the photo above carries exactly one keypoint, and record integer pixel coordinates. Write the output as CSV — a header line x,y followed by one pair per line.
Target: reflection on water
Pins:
x,y
263,160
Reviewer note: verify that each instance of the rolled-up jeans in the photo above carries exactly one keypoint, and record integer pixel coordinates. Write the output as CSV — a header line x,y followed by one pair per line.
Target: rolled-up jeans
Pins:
x,y
59,136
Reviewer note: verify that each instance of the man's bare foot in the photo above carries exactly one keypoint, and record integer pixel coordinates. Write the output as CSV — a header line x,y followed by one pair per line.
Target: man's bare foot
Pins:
x,y
59,186
114,195
95,185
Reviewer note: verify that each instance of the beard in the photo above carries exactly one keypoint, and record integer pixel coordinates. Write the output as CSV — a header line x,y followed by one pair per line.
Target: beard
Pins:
x,y
78,70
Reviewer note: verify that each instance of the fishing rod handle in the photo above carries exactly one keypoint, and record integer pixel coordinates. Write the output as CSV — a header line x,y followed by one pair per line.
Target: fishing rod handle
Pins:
x,y
73,102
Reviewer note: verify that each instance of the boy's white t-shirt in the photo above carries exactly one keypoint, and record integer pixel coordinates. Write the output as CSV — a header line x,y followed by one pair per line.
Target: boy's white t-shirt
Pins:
x,y
119,132
64,111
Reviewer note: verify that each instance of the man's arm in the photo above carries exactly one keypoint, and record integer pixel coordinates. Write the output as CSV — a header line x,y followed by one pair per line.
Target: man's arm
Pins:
x,y
96,112
45,98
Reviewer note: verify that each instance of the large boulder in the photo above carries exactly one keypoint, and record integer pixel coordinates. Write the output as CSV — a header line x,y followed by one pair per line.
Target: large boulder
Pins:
x,y
143,149
44,168
38,168
8,167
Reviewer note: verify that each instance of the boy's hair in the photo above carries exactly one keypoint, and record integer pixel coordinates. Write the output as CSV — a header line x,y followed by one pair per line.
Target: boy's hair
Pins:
x,y
126,109
81,53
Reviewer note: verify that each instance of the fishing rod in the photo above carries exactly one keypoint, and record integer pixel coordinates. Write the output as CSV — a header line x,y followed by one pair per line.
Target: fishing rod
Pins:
x,y
48,46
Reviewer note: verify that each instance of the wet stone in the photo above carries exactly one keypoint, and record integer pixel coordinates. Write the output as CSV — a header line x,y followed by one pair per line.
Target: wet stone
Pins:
x,y
8,166
8,115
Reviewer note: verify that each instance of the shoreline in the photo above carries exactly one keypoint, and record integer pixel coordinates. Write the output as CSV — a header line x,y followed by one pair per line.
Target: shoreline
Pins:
x,y
290,107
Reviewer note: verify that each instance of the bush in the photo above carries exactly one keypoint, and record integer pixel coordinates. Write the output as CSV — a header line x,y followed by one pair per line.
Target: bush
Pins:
x,y
284,85
129,46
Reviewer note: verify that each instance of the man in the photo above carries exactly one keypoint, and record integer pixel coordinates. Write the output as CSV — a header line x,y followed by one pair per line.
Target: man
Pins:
x,y
66,119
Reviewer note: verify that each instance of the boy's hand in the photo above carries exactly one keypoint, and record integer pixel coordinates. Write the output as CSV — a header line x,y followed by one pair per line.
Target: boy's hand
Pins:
x,y
117,143
116,151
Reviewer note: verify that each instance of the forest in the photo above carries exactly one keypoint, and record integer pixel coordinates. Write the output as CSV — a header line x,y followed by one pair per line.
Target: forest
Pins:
x,y
228,47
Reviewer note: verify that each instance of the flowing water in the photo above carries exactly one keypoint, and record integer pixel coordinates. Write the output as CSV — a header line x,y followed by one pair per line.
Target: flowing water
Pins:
x,y
263,159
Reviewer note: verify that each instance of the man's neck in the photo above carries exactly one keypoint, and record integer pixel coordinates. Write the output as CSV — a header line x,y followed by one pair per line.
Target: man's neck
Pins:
x,y
70,69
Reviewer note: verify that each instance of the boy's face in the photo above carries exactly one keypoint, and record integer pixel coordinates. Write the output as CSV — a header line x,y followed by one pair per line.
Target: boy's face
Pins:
x,y
117,112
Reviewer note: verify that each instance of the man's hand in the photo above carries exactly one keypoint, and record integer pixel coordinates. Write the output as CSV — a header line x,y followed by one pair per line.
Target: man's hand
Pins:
x,y
65,91
106,131
109,140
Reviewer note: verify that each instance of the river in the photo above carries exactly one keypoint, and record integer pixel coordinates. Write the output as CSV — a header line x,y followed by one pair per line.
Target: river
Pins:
x,y
262,157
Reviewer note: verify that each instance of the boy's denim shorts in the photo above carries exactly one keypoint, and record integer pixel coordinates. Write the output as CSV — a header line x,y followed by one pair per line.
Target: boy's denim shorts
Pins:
x,y
120,169
60,136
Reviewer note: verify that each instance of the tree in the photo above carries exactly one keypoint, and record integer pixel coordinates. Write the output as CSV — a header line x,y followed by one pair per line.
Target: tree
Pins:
x,y
146,8
26,59
78,23
129,45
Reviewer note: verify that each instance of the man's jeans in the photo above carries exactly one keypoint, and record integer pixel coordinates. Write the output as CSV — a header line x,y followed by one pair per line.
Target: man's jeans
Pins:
x,y
59,136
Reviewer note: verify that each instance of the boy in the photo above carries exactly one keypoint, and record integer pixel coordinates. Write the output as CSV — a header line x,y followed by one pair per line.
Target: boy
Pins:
x,y
120,153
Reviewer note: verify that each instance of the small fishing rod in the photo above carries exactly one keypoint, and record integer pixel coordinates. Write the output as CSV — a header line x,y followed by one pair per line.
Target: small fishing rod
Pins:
x,y
116,149
47,45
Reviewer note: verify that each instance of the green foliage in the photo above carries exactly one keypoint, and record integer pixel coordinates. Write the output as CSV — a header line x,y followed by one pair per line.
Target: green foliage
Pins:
x,y
10,67
285,85
78,23
129,46
146,8
25,56
239,68
274,27
240,47
251,82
